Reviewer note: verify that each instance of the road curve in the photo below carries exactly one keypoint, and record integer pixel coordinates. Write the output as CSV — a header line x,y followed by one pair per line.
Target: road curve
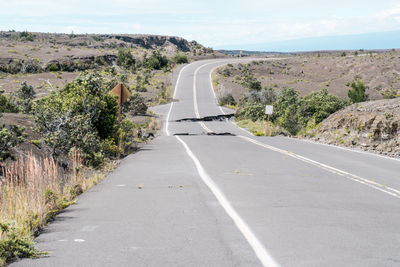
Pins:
x,y
231,200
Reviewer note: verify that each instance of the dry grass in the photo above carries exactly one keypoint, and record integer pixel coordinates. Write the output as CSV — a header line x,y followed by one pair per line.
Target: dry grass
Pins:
x,y
33,191
154,124
259,128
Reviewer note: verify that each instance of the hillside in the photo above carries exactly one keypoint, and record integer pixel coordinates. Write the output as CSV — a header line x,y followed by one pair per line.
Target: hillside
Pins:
x,y
45,58
372,126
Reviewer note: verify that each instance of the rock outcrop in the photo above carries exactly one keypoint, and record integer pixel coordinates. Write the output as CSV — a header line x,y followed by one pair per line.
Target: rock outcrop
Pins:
x,y
372,126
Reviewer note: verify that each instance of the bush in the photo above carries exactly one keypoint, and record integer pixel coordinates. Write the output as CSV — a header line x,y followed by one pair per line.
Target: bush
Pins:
x,y
136,105
317,106
9,138
26,36
288,97
180,59
125,58
155,61
253,111
7,104
53,67
294,113
126,135
226,100
14,244
83,114
357,92
25,96
389,93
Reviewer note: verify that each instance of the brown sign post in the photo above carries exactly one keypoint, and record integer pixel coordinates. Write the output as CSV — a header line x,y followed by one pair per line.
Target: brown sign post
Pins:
x,y
123,94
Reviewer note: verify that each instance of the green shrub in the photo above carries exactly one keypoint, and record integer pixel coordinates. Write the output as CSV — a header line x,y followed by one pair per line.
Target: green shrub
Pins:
x,y
155,61
288,97
317,106
357,91
125,58
226,100
53,67
14,244
180,59
9,138
126,135
253,111
25,95
136,105
7,104
83,114
26,36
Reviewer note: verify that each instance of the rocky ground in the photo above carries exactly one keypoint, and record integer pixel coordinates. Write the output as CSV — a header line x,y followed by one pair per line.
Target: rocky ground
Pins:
x,y
372,126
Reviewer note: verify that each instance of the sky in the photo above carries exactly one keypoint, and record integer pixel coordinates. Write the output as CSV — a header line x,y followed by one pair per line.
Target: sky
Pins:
x,y
213,23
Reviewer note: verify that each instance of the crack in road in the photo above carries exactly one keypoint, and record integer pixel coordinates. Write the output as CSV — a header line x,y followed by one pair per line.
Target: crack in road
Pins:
x,y
205,134
221,117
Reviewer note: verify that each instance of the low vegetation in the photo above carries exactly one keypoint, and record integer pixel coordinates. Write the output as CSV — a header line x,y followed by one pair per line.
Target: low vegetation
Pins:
x,y
292,112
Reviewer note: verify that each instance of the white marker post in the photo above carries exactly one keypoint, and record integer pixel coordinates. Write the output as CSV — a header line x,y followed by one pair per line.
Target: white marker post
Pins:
x,y
268,110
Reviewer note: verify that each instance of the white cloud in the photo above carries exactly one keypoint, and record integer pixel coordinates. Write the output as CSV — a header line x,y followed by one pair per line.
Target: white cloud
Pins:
x,y
213,23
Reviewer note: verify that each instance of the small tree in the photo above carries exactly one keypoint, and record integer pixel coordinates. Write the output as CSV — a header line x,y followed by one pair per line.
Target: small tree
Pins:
x,y
357,92
25,96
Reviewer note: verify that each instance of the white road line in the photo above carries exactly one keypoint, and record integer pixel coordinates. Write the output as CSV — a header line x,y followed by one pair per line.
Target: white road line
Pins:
x,y
262,254
172,103
388,190
196,108
345,148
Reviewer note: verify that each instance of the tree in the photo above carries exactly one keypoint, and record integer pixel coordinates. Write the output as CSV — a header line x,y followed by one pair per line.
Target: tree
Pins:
x,y
357,92
83,114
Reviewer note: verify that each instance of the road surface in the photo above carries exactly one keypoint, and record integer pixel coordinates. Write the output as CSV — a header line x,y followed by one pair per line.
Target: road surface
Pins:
x,y
196,198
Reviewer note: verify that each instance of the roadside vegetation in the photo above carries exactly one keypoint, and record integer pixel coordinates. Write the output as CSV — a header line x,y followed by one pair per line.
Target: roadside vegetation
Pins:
x,y
292,113
67,138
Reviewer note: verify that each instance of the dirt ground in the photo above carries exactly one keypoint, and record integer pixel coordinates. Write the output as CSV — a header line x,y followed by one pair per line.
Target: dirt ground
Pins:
x,y
309,72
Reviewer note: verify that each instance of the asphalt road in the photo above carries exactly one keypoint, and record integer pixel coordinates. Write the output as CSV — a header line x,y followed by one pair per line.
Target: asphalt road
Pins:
x,y
195,199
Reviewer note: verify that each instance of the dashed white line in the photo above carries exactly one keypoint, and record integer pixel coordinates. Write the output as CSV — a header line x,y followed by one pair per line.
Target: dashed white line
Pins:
x,y
262,254
172,103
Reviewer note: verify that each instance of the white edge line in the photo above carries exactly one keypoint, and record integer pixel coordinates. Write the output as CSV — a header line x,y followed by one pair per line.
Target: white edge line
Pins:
x,y
262,254
388,190
173,97
344,148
